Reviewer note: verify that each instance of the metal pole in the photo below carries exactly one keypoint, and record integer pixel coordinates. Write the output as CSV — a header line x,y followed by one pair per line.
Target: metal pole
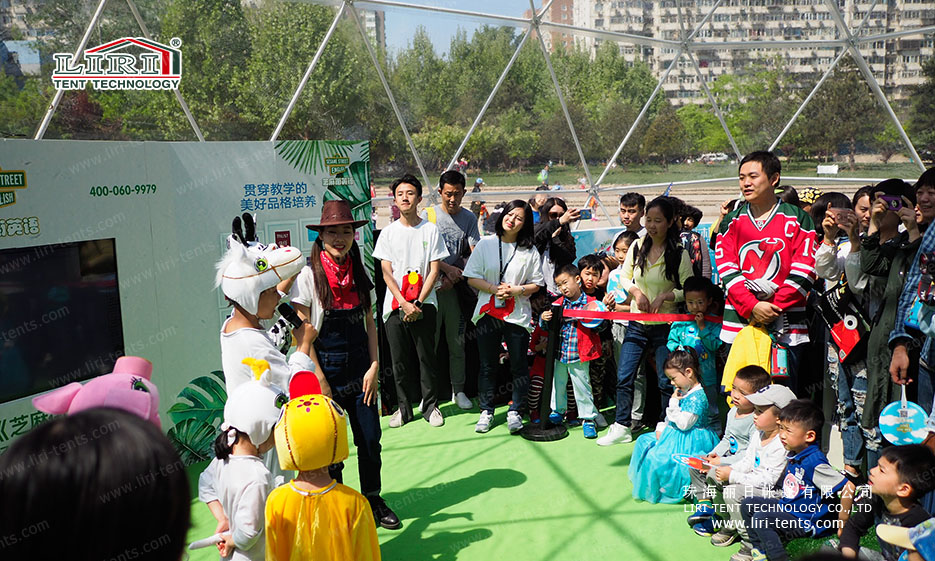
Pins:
x,y
58,93
717,109
496,88
389,94
308,73
868,76
919,30
639,117
558,92
177,92
820,82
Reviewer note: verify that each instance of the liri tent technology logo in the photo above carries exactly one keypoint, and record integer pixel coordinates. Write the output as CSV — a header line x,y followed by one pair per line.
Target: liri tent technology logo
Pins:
x,y
111,67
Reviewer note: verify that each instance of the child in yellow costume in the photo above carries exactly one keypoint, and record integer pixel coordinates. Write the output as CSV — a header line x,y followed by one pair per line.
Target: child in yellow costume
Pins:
x,y
313,516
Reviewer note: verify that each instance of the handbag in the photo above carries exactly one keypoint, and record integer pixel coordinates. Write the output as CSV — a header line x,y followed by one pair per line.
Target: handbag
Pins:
x,y
849,327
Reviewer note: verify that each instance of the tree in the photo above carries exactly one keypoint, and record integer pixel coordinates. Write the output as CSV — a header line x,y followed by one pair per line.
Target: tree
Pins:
x,y
704,130
888,142
843,112
665,139
922,120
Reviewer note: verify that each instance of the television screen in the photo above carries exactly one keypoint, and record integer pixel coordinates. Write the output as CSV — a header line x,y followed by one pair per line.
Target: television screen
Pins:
x,y
59,316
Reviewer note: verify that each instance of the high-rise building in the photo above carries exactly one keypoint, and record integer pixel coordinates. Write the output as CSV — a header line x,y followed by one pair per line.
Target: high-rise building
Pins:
x,y
561,11
13,15
896,62
375,24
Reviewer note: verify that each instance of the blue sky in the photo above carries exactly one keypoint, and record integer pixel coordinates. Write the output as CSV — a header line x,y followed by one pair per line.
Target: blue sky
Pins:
x,y
401,24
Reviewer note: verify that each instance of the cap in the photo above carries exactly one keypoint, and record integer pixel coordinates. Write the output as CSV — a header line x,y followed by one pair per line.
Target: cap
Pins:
x,y
478,181
774,394
919,538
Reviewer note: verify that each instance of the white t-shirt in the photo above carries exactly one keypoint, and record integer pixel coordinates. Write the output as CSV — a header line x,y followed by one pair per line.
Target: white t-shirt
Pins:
x,y
241,484
409,249
524,268
761,465
255,343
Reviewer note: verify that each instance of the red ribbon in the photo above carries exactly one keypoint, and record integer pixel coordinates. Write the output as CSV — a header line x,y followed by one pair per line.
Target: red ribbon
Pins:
x,y
593,314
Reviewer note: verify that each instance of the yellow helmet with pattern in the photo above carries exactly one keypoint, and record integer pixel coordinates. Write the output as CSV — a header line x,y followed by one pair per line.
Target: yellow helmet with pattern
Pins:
x,y
311,433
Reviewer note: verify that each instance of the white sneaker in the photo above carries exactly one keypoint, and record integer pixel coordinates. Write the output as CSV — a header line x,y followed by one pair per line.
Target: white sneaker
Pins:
x,y
483,424
617,434
600,421
435,418
514,422
463,401
396,420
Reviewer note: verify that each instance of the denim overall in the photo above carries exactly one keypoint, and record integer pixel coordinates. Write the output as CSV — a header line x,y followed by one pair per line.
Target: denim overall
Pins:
x,y
342,349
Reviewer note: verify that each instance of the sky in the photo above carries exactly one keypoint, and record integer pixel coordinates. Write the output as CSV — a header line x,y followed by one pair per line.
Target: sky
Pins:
x,y
401,24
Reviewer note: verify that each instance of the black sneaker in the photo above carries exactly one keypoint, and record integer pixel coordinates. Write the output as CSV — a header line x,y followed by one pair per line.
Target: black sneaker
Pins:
x,y
637,426
383,515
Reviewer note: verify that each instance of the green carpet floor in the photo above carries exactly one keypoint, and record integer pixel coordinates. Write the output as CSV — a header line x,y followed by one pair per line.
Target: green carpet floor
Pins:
x,y
466,496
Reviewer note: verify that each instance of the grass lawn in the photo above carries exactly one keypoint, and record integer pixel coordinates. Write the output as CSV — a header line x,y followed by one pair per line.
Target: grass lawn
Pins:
x,y
465,496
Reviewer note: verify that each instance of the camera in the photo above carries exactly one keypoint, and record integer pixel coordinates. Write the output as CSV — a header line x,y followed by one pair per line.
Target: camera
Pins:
x,y
893,202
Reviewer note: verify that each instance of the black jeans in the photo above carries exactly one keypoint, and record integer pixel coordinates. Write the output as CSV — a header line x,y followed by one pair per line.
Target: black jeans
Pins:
x,y
490,333
412,345
342,353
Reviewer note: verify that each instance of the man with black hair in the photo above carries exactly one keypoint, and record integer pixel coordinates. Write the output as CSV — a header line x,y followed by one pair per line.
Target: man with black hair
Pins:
x,y
458,229
632,207
900,339
765,256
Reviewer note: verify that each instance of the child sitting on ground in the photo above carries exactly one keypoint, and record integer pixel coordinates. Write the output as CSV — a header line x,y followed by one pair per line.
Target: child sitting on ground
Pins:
x,y
809,485
756,473
580,345
730,449
901,477
313,516
703,336
657,476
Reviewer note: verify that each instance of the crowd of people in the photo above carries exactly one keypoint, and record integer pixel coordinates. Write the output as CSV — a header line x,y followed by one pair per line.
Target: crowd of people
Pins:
x,y
810,298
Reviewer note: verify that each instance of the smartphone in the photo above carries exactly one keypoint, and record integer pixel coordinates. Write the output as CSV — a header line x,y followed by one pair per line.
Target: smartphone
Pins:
x,y
841,213
893,202
585,214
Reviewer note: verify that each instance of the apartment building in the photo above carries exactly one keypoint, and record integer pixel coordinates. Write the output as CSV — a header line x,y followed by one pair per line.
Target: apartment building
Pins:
x,y
895,62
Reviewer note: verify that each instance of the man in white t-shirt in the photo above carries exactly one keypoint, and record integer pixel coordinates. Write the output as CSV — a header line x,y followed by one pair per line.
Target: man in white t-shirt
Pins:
x,y
410,250
458,228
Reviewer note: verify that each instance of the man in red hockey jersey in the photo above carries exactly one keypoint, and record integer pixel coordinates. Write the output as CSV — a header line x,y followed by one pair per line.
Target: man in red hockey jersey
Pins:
x,y
766,259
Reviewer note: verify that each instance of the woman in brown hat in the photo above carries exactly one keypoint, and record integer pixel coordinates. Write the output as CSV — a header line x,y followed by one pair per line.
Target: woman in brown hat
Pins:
x,y
333,296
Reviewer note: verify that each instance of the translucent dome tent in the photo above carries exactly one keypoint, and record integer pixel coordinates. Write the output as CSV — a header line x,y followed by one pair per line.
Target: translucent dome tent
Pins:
x,y
687,33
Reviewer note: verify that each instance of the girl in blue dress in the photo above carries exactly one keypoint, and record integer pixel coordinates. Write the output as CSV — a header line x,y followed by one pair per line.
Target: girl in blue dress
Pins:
x,y
656,475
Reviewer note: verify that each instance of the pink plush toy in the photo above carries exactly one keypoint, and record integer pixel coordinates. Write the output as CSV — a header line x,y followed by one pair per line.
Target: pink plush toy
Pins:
x,y
128,387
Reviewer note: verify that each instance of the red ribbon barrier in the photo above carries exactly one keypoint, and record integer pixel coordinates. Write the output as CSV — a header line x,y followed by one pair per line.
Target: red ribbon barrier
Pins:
x,y
593,314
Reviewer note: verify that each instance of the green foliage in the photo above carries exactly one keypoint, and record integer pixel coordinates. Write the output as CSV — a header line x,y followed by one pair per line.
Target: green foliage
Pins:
x,y
922,125
665,138
197,415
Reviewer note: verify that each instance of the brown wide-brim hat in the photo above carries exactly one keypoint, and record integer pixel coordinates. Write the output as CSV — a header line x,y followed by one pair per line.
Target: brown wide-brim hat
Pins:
x,y
336,213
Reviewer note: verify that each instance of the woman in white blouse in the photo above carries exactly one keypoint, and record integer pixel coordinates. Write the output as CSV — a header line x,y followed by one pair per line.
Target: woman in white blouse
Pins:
x,y
506,269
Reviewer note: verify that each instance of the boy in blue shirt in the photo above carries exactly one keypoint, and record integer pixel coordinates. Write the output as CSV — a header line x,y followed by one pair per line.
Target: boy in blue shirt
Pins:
x,y
806,505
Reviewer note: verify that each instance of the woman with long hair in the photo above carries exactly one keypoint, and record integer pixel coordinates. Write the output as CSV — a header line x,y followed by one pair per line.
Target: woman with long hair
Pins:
x,y
505,269
332,295
653,274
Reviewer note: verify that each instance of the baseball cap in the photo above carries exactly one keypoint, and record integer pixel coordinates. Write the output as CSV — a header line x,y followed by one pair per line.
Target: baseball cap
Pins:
x,y
920,538
774,394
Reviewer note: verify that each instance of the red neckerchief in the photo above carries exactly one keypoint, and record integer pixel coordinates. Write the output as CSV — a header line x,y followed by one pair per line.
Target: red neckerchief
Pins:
x,y
341,281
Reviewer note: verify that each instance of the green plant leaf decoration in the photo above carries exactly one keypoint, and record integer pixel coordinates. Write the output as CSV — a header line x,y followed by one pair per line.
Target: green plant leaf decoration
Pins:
x,y
308,156
202,400
193,440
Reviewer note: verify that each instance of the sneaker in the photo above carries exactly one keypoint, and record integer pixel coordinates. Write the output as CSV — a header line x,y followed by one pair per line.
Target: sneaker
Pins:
x,y
384,515
435,418
725,537
573,422
600,421
705,528
589,428
637,426
396,420
616,434
703,511
556,418
514,422
463,401
745,554
757,555
483,424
